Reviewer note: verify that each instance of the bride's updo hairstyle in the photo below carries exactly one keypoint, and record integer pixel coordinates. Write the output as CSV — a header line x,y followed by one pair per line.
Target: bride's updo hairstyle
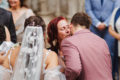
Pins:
x,y
2,34
35,21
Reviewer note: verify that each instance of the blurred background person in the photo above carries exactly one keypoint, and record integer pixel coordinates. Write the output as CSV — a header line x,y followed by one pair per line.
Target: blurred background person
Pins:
x,y
20,13
114,29
100,11
6,19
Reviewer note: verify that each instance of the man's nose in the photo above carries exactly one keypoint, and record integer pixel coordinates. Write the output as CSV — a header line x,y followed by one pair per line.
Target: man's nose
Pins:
x,y
67,31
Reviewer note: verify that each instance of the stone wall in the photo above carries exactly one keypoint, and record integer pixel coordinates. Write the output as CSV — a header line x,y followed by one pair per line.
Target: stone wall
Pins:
x,y
53,8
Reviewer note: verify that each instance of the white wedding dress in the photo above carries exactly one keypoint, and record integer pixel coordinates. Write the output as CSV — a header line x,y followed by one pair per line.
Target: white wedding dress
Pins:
x,y
54,73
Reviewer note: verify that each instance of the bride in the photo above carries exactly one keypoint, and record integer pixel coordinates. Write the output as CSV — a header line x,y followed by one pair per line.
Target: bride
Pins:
x,y
34,62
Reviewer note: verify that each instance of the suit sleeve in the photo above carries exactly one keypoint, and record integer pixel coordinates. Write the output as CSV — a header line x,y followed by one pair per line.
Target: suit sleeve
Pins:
x,y
117,4
11,28
89,11
72,60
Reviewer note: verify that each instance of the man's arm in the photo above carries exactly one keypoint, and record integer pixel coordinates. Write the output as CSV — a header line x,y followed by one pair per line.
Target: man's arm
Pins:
x,y
72,60
89,11
11,28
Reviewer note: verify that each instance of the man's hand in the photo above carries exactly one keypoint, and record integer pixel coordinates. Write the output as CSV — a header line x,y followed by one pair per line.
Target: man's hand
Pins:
x,y
101,26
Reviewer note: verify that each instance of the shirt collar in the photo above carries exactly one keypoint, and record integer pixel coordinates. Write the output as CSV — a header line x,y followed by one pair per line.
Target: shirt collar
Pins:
x,y
82,31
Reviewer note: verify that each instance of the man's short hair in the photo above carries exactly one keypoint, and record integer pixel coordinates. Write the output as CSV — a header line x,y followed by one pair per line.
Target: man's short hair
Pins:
x,y
81,18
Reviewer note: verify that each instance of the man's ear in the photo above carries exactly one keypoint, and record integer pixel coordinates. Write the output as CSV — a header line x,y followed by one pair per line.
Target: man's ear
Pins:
x,y
71,29
7,34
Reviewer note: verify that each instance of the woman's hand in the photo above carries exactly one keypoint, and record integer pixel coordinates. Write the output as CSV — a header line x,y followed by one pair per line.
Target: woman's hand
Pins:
x,y
114,33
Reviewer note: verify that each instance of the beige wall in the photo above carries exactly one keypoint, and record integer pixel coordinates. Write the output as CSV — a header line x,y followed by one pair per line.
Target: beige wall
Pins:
x,y
57,7
48,9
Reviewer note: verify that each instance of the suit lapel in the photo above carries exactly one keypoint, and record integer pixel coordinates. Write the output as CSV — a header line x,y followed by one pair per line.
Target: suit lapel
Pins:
x,y
99,1
82,31
103,2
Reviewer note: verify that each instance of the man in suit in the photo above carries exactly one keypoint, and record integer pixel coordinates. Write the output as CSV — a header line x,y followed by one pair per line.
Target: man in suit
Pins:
x,y
7,20
87,56
100,11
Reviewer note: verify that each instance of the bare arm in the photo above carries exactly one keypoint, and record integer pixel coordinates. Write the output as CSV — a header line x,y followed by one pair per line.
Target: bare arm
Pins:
x,y
52,60
114,33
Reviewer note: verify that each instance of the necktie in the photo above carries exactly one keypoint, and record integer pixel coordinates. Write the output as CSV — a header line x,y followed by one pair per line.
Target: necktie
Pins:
x,y
101,2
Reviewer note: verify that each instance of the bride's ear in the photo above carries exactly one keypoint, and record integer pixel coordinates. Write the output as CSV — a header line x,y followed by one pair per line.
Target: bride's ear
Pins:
x,y
7,34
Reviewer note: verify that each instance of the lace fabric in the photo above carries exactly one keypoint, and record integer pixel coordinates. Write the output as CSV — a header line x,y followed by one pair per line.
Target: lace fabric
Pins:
x,y
29,63
5,46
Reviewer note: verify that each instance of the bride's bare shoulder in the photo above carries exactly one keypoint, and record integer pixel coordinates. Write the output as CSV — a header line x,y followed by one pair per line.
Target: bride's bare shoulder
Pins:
x,y
52,60
52,54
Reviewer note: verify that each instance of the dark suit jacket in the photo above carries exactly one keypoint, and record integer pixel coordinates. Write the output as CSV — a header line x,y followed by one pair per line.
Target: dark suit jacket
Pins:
x,y
7,20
